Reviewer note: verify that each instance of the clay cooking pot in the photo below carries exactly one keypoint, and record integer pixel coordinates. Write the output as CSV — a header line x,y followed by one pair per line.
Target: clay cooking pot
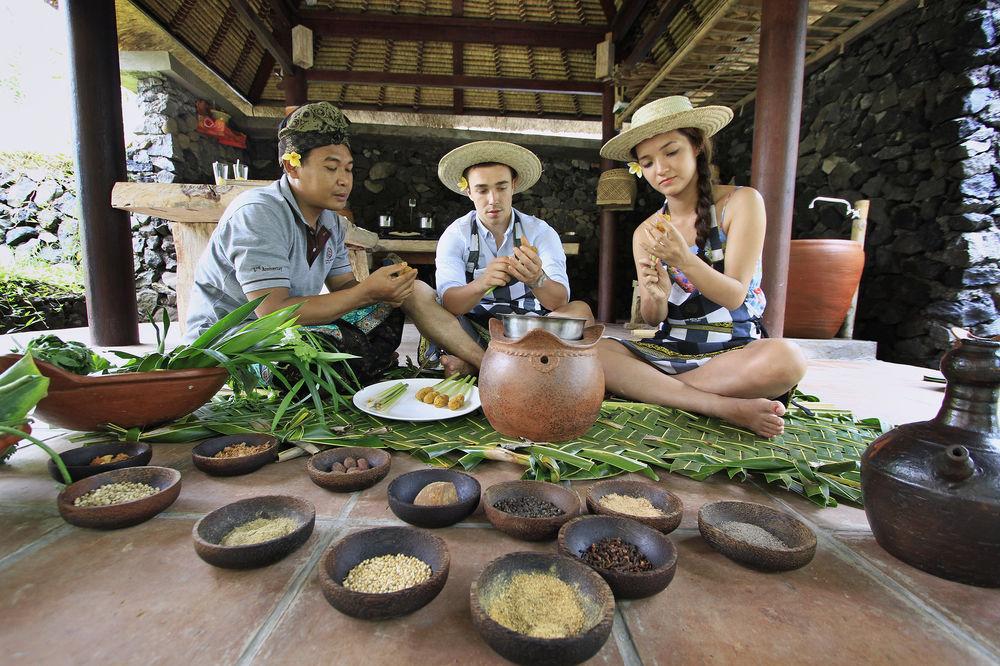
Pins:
x,y
541,387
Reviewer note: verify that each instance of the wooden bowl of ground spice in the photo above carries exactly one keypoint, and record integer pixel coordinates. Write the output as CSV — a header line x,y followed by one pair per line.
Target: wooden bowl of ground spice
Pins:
x,y
90,460
119,498
637,561
641,501
536,608
384,572
404,489
757,535
254,532
530,510
234,454
345,470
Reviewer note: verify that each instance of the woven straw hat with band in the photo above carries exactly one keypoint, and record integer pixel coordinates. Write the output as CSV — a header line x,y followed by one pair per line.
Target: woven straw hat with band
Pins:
x,y
665,115
453,165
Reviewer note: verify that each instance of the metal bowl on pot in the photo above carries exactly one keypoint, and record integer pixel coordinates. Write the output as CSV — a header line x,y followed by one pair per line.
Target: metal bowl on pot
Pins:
x,y
566,328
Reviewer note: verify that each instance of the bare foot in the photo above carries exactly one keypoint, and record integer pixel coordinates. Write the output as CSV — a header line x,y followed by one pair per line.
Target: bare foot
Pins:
x,y
453,364
760,415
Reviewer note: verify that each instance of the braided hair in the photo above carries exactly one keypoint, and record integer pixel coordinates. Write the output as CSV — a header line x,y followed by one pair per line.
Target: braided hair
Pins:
x,y
706,184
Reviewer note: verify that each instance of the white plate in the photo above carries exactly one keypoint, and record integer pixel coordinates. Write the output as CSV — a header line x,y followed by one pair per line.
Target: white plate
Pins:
x,y
408,408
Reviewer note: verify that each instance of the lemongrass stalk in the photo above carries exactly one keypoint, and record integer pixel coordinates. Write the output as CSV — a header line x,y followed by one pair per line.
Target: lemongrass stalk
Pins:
x,y
386,393
439,390
427,389
457,401
444,397
389,397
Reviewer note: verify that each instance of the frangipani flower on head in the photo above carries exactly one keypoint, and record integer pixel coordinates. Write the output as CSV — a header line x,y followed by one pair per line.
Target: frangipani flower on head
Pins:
x,y
634,168
292,158
463,184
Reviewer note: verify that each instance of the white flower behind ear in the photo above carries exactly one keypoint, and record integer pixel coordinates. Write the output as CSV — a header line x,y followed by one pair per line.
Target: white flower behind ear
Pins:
x,y
634,168
463,184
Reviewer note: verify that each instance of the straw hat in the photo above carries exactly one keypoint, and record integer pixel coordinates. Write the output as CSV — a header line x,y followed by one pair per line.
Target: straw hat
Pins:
x,y
523,161
665,115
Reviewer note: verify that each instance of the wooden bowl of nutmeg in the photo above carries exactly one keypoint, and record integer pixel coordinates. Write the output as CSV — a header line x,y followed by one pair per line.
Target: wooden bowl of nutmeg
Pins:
x,y
345,470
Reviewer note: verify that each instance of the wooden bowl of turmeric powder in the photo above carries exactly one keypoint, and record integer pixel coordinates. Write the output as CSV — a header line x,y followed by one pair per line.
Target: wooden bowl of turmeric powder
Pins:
x,y
90,460
254,532
640,501
233,455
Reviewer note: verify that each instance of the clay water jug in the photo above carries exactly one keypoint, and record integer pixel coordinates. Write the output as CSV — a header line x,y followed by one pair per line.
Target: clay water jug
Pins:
x,y
932,489
540,386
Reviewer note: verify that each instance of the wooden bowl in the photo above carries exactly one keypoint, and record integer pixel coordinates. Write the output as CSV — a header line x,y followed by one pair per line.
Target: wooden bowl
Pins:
x,y
320,464
598,603
126,514
530,529
404,488
664,500
210,530
78,465
793,532
7,441
578,534
129,400
354,549
202,455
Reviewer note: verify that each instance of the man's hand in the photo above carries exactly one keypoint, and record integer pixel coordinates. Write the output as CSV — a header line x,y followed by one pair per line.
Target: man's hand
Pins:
x,y
525,265
390,284
496,274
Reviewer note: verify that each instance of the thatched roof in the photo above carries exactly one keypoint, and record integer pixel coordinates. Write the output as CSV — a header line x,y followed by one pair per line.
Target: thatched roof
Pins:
x,y
489,57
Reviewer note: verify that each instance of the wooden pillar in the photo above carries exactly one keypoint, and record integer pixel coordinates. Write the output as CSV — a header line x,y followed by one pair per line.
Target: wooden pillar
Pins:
x,y
606,252
294,87
106,234
776,140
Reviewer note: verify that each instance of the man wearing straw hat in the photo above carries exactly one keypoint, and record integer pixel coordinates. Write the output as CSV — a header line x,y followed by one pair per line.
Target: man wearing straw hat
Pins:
x,y
495,259
286,242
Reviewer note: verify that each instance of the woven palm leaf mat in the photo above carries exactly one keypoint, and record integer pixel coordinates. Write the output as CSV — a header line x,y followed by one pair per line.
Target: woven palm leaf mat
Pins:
x,y
818,456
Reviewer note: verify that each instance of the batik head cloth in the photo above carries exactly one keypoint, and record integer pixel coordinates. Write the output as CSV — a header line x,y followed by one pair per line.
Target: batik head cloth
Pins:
x,y
311,126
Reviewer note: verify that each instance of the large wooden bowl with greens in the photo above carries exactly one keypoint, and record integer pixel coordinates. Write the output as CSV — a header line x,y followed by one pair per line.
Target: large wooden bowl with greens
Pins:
x,y
128,399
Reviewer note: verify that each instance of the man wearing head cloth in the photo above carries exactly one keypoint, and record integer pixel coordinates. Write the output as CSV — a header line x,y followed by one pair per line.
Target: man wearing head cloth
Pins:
x,y
495,259
285,241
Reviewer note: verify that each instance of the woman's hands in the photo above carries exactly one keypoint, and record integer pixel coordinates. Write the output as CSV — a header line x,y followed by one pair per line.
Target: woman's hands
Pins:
x,y
654,278
668,244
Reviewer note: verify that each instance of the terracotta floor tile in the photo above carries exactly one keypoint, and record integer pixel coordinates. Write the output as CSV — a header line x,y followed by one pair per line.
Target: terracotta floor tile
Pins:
x,y
975,608
22,527
441,632
716,611
137,594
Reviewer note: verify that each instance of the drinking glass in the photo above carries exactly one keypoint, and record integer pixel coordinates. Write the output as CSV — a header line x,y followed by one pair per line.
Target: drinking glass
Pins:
x,y
221,172
240,171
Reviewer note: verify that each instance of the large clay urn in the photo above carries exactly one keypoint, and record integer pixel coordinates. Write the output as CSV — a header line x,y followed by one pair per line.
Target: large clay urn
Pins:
x,y
823,274
541,387
932,489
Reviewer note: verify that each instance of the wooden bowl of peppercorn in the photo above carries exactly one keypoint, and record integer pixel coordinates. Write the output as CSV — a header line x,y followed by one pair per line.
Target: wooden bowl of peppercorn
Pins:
x,y
78,461
527,510
668,504
359,547
165,480
327,469
593,598
405,488
637,561
757,535
203,455
209,532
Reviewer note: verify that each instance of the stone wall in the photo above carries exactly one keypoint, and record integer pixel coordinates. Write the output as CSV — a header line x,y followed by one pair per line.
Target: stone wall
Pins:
x,y
168,149
907,117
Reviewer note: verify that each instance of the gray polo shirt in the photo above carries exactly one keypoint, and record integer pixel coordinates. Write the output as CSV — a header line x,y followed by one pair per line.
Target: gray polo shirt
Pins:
x,y
261,243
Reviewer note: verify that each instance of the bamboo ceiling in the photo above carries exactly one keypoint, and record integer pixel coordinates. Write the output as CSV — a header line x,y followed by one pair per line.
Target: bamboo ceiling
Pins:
x,y
487,57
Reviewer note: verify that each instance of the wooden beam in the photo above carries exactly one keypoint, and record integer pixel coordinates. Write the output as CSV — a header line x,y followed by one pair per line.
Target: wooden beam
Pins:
x,y
177,202
609,9
626,18
460,82
263,35
260,79
655,30
400,27
606,249
870,22
468,111
677,58
776,141
282,18
95,84
458,62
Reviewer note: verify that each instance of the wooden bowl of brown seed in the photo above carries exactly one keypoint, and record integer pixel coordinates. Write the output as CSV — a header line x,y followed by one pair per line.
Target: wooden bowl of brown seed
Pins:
x,y
349,469
636,561
530,510
384,572
119,498
757,535
641,501
233,455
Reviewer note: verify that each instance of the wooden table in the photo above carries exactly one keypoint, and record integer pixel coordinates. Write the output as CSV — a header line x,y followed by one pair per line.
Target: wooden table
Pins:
x,y
193,212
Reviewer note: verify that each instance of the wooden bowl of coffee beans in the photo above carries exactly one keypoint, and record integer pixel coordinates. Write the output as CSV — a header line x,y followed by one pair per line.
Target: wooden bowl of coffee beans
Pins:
x,y
384,572
349,469
636,560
